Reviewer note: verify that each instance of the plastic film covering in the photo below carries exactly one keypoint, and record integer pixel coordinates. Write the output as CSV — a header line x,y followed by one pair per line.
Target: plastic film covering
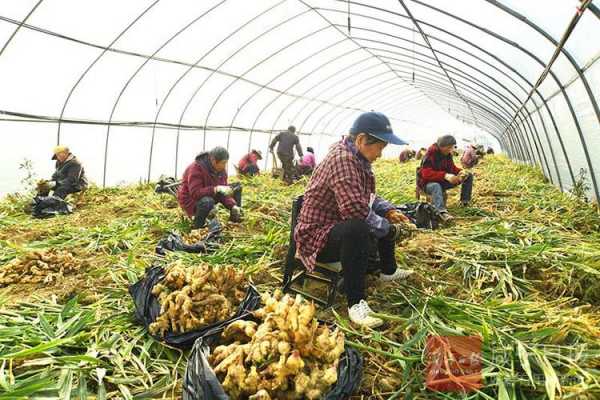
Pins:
x,y
137,88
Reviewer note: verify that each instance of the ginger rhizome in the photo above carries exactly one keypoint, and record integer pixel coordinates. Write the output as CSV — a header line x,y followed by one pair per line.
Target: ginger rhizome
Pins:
x,y
193,297
286,355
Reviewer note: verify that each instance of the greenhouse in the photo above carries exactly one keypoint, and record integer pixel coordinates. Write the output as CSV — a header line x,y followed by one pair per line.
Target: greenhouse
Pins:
x,y
308,199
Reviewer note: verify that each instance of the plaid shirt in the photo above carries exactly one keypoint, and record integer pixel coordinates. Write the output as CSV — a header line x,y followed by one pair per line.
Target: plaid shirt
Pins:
x,y
342,187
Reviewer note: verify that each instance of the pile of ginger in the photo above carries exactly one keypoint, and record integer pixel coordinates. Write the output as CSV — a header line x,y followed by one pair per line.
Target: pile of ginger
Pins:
x,y
40,267
193,297
287,355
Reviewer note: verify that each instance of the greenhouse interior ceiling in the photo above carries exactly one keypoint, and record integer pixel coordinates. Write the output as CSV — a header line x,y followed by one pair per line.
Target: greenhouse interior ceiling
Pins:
x,y
137,88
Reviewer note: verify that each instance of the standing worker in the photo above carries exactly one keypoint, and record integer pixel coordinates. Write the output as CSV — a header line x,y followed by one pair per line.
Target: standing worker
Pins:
x,y
340,212
69,176
285,151
438,173
204,184
248,165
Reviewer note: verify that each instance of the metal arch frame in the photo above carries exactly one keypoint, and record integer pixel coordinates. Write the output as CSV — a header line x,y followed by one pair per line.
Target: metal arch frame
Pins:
x,y
137,71
287,46
517,46
462,62
85,72
238,77
19,26
185,73
577,68
347,35
346,88
243,104
457,68
310,73
370,67
426,40
381,95
308,101
483,73
493,56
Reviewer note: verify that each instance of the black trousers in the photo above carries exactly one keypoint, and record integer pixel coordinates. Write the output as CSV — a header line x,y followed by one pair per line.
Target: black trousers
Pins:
x,y
64,191
287,163
205,205
348,242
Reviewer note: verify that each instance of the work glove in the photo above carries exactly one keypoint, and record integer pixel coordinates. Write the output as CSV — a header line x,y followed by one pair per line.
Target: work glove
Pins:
x,y
396,233
235,215
453,179
223,190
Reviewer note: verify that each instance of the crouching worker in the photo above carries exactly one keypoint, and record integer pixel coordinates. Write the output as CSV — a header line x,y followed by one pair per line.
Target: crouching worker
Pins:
x,y
204,184
248,165
307,163
438,173
340,211
69,176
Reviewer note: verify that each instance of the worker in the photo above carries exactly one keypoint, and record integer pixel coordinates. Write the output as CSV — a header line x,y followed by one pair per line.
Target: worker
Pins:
x,y
406,155
69,175
307,163
340,211
470,158
248,165
285,151
438,173
490,150
204,184
420,153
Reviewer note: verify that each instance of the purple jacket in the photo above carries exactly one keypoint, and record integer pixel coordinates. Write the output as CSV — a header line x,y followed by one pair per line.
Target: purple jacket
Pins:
x,y
199,180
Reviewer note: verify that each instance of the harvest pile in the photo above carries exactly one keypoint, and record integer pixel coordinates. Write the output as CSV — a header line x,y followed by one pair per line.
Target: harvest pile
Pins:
x,y
40,266
193,297
520,267
286,355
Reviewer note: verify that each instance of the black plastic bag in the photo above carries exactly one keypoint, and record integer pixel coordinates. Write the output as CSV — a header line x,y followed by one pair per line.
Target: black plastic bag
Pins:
x,y
423,215
147,309
49,206
174,242
167,184
201,383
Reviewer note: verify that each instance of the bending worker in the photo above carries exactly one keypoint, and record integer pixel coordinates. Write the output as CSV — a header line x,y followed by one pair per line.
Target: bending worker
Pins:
x,y
204,184
470,158
69,176
340,211
285,151
438,173
248,165
308,163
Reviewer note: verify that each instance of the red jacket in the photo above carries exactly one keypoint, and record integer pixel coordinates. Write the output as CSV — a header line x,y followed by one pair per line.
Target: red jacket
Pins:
x,y
435,166
199,180
249,159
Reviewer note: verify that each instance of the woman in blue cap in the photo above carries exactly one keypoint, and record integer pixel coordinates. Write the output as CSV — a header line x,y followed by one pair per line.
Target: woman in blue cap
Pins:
x,y
340,212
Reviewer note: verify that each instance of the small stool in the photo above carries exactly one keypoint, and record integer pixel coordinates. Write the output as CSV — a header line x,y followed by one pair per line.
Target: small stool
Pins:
x,y
328,273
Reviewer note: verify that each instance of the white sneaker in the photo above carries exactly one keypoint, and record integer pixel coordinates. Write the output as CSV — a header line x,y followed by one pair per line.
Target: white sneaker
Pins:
x,y
445,216
398,274
360,315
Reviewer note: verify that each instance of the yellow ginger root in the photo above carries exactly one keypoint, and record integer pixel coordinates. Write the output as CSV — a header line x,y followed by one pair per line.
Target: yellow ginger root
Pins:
x,y
192,297
40,267
287,355
240,330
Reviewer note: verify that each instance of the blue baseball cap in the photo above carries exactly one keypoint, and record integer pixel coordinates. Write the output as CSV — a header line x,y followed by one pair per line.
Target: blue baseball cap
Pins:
x,y
376,124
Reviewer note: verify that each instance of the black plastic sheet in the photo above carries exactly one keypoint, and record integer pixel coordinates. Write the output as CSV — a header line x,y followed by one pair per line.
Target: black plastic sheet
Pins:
x,y
174,242
423,215
147,309
49,206
201,383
